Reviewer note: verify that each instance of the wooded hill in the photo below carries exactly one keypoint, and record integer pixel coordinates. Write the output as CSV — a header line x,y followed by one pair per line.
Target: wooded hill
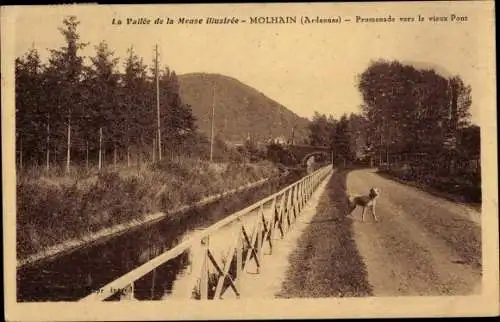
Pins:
x,y
240,110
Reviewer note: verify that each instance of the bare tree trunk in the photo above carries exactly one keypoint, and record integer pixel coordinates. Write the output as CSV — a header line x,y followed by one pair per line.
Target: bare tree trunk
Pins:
x,y
154,150
380,152
21,153
68,155
158,103
138,156
100,148
453,122
212,125
48,142
87,157
141,151
128,155
128,146
114,155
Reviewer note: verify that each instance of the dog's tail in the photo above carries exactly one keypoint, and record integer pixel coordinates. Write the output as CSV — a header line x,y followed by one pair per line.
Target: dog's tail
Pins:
x,y
350,203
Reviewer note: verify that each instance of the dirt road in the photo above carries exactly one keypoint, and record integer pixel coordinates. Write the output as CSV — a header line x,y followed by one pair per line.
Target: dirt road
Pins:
x,y
422,245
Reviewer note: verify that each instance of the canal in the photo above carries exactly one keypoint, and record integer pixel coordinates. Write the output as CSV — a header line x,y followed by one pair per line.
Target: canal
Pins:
x,y
78,274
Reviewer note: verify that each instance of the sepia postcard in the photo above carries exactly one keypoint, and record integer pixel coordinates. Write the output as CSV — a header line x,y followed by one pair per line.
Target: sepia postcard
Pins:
x,y
249,161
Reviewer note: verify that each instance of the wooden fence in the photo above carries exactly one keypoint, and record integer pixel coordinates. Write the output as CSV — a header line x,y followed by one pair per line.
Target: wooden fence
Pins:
x,y
255,228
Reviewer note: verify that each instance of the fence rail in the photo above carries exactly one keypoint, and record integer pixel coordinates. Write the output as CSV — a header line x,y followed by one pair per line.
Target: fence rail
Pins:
x,y
240,240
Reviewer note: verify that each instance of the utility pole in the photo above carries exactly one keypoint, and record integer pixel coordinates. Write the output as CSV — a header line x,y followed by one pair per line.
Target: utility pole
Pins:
x,y
158,102
213,115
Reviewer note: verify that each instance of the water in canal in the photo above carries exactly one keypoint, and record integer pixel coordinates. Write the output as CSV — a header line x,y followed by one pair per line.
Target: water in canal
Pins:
x,y
77,274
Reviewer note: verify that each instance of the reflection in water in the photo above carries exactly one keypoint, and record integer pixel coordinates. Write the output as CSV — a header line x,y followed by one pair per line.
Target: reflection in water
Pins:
x,y
74,276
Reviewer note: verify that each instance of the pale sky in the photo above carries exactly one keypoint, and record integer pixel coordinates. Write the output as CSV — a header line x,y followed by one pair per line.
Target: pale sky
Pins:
x,y
306,68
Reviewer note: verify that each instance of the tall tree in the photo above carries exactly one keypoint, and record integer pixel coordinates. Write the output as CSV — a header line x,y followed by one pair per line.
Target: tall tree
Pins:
x,y
66,66
412,110
138,113
180,121
408,109
469,141
358,129
319,130
103,114
30,113
177,120
460,113
342,142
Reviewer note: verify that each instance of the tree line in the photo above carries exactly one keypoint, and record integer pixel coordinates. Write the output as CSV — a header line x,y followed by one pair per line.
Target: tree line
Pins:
x,y
344,136
406,111
69,113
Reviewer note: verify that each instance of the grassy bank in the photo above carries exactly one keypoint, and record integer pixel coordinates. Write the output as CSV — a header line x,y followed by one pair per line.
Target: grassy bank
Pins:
x,y
53,210
326,262
464,187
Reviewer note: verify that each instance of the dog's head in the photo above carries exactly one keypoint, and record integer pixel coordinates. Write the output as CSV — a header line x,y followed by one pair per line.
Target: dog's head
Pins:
x,y
374,193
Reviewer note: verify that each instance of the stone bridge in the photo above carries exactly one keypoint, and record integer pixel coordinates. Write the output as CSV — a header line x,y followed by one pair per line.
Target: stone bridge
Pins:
x,y
302,153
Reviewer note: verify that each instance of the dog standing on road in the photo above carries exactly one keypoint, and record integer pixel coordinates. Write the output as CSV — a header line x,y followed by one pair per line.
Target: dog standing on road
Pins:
x,y
364,201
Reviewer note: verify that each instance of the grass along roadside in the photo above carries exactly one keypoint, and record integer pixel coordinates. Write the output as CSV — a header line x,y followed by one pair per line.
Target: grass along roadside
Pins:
x,y
326,262
53,217
472,201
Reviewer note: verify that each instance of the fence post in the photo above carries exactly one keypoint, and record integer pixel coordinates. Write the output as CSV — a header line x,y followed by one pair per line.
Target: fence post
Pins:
x,y
272,223
239,260
264,226
204,269
292,204
302,200
303,190
301,195
308,187
259,245
153,284
287,210
296,205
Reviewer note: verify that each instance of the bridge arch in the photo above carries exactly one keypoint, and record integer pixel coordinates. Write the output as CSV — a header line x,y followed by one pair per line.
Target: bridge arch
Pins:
x,y
315,154
297,154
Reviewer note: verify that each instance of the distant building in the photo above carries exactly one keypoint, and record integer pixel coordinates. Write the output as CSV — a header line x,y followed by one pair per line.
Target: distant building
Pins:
x,y
234,144
279,140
